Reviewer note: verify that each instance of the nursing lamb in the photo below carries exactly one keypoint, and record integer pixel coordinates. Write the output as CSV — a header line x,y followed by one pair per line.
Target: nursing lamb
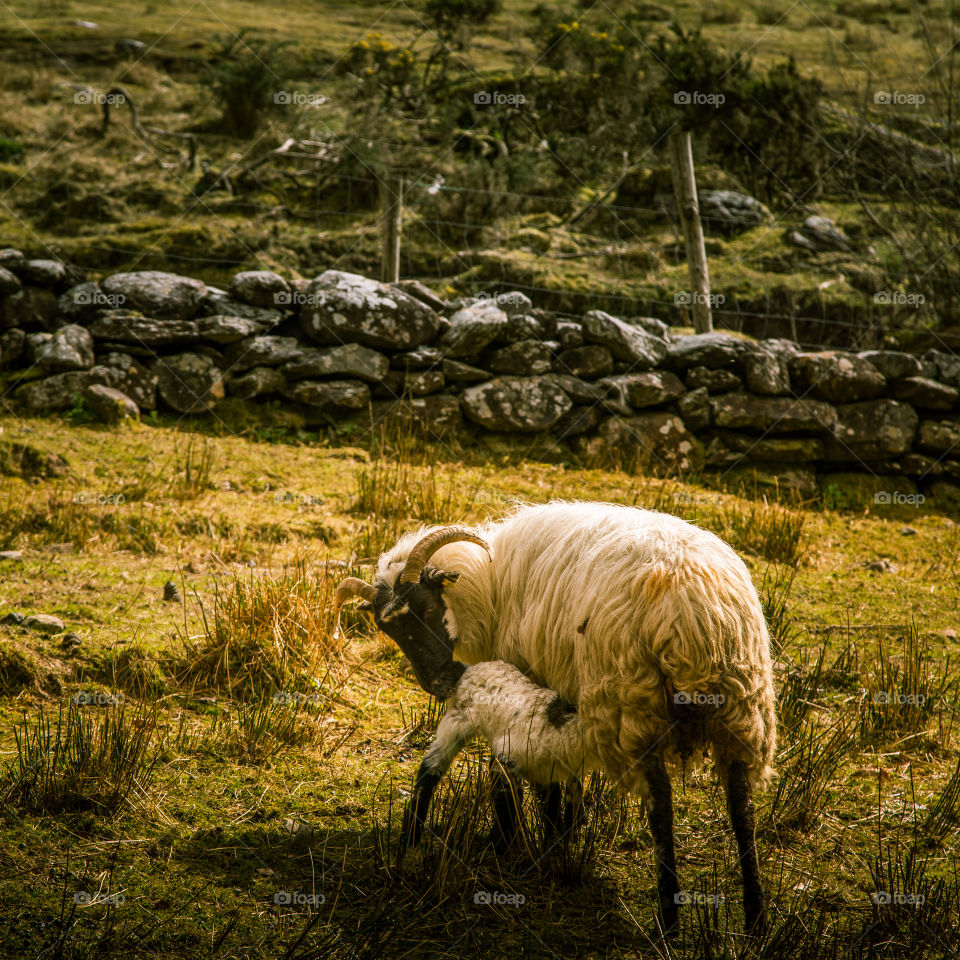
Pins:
x,y
532,732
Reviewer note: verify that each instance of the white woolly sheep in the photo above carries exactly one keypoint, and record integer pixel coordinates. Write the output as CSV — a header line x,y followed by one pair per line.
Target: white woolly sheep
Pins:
x,y
650,625
532,732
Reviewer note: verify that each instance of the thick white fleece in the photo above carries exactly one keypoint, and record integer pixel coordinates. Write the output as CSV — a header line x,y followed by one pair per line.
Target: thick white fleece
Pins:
x,y
632,615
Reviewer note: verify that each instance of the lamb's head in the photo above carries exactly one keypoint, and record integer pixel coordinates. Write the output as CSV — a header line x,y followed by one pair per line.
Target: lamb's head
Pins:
x,y
408,605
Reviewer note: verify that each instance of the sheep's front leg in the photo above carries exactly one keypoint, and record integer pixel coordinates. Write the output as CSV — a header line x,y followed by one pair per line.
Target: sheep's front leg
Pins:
x,y
573,809
507,794
561,808
740,808
659,806
550,798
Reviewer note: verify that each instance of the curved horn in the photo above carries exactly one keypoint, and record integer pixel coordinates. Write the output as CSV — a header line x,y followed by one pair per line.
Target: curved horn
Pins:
x,y
349,588
431,543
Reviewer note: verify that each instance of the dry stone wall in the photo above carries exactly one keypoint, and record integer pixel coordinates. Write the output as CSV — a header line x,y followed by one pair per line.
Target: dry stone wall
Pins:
x,y
341,344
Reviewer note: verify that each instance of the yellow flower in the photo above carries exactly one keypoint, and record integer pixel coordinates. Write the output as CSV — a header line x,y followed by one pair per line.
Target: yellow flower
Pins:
x,y
575,25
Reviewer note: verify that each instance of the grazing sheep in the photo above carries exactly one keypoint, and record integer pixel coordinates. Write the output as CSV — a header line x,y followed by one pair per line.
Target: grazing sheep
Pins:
x,y
650,625
532,732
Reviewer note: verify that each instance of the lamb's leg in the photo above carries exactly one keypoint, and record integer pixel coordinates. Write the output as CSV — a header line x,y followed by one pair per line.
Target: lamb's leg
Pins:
x,y
550,798
659,806
449,741
573,809
507,795
740,808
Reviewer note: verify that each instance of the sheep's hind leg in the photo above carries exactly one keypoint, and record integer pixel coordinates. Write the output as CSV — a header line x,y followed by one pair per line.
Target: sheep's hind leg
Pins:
x,y
507,795
659,806
740,808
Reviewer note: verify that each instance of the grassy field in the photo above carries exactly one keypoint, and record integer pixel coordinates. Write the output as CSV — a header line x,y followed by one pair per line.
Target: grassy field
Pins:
x,y
108,200
226,752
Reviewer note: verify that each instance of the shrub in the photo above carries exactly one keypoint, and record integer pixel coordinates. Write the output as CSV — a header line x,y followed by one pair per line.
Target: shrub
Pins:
x,y
246,75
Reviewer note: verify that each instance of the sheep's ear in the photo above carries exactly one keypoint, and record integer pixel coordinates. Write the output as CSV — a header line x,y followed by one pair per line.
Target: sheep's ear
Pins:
x,y
438,578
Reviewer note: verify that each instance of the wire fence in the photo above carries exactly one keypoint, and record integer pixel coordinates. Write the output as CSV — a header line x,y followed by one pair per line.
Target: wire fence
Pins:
x,y
457,252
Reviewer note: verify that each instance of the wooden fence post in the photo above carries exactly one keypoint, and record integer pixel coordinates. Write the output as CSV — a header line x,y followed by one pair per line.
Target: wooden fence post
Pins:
x,y
685,191
391,197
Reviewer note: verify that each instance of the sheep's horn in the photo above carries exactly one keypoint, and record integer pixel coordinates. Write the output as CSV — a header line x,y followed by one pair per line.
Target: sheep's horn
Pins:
x,y
431,543
349,588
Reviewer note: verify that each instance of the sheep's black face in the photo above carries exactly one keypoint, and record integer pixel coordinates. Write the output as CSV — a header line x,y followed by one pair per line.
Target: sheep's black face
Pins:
x,y
413,616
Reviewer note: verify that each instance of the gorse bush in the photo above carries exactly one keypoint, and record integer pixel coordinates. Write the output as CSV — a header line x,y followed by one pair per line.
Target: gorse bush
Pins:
x,y
247,75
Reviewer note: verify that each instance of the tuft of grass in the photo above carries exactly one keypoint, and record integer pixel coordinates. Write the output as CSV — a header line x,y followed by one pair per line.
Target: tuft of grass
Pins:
x,y
799,690
266,632
262,729
420,726
87,758
135,672
193,468
400,487
944,813
89,521
774,595
808,766
900,694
